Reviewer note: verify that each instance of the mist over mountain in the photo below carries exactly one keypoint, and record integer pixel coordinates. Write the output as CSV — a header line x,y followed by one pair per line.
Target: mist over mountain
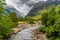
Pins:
x,y
22,7
28,7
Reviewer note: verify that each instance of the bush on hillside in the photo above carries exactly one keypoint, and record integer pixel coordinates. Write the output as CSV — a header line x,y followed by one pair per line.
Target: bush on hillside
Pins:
x,y
51,21
13,17
6,26
6,23
29,20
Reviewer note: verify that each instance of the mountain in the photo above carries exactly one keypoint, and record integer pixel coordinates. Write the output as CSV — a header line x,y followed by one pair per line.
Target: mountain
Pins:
x,y
28,7
41,5
22,7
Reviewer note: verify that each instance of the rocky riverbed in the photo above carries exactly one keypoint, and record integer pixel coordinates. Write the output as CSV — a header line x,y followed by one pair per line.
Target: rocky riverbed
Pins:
x,y
25,34
28,33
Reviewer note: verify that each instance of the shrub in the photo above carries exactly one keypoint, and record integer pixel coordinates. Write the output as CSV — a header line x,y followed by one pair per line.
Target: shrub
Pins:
x,y
6,26
51,20
6,23
13,17
29,20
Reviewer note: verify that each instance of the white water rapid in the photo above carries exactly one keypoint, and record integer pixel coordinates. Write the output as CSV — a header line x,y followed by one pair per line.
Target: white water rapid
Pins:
x,y
22,7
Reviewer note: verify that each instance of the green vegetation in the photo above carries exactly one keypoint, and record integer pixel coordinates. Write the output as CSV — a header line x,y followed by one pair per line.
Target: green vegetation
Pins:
x,y
28,20
15,19
6,24
13,16
50,18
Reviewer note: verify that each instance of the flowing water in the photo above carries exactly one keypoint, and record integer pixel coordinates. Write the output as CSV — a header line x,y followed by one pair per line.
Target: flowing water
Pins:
x,y
22,7
25,34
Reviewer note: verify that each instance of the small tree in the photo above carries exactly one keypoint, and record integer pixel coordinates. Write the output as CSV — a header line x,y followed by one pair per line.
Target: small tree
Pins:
x,y
6,23
13,16
2,4
51,22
